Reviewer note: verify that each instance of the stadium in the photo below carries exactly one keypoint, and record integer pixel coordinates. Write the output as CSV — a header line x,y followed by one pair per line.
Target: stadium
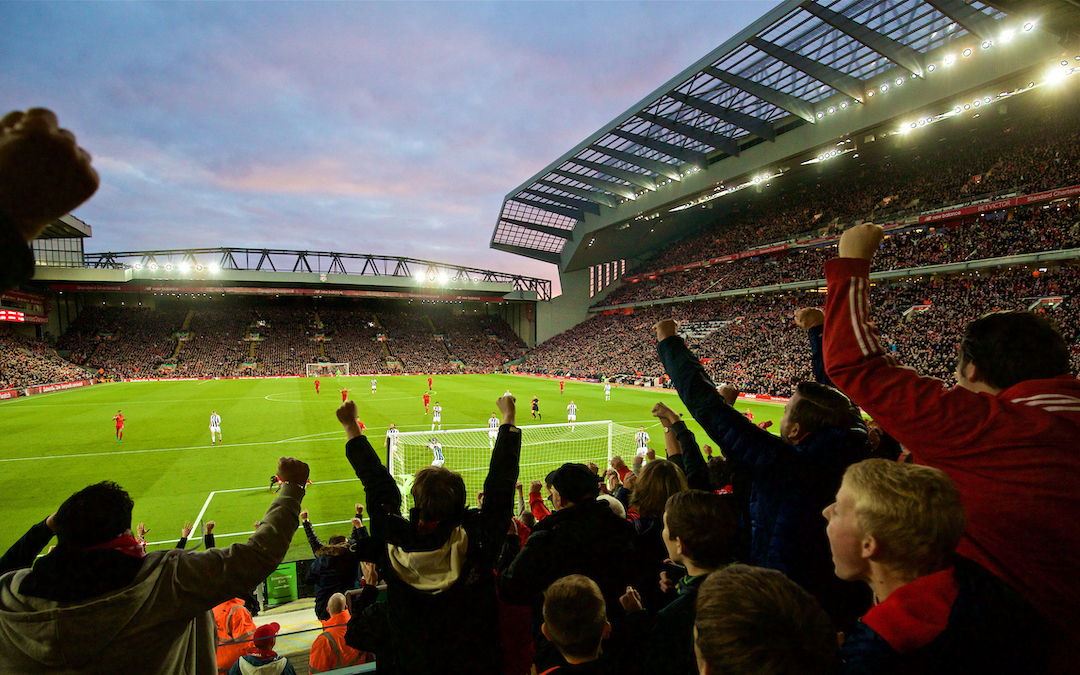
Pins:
x,y
715,201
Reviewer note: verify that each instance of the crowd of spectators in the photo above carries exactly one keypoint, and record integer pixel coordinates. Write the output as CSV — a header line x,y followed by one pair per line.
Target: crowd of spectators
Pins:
x,y
123,342
28,363
753,343
1025,230
1026,151
482,345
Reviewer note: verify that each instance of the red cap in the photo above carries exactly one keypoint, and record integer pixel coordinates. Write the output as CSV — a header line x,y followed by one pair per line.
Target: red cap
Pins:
x,y
264,635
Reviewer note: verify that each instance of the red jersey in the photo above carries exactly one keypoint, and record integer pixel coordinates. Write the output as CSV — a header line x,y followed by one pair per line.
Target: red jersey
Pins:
x,y
429,383
427,399
119,421
316,385
561,385
344,395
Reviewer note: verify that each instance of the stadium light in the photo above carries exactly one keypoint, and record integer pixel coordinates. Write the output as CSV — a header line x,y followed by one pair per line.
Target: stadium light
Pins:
x,y
931,68
137,266
419,276
198,268
967,52
987,44
184,267
1006,35
870,94
168,267
1029,25
153,266
899,81
821,115
1055,75
884,88
950,59
213,268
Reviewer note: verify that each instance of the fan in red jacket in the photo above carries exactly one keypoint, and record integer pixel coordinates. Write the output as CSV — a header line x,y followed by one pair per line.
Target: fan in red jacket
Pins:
x,y
1006,435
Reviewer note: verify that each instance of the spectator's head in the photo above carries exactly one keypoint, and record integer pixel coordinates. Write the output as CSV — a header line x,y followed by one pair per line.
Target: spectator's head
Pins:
x,y
571,484
336,604
438,494
575,618
699,528
814,407
527,519
756,621
266,637
719,473
1005,348
616,506
659,480
94,515
906,518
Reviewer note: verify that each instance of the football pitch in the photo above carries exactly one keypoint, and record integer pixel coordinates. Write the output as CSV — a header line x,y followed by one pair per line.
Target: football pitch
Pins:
x,y
60,442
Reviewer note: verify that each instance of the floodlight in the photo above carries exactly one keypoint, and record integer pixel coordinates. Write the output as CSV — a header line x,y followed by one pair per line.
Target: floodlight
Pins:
x,y
950,59
213,268
1006,36
198,268
987,44
931,68
870,94
832,109
137,266
967,106
153,266
844,105
967,52
1056,75
168,267
987,99
913,125
1029,25
184,267
1064,63
976,103
821,115
884,88
899,81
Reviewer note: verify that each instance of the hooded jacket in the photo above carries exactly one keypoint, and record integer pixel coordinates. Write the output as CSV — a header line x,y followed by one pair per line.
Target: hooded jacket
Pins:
x,y
790,484
154,618
441,613
1014,456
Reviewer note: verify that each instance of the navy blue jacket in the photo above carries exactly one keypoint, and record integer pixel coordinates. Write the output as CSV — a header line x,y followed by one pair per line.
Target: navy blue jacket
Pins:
x,y
790,485
667,640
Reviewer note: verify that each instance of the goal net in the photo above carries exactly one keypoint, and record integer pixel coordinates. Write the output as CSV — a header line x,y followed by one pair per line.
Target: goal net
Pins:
x,y
544,448
326,369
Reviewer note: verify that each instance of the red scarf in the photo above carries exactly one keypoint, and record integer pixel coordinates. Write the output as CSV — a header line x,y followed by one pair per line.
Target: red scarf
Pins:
x,y
126,544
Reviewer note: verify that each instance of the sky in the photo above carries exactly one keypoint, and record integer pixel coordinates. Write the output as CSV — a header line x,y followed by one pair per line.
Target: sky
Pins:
x,y
390,128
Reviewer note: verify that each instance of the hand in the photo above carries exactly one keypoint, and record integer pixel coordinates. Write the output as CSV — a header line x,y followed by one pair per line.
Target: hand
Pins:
x,y
729,393
257,524
631,601
359,510
808,317
480,499
208,528
666,584
347,415
650,454
44,174
593,467
141,530
665,329
665,414
304,515
518,486
630,481
356,523
535,486
617,463
293,471
185,531
861,241
507,407
707,449
370,572
612,479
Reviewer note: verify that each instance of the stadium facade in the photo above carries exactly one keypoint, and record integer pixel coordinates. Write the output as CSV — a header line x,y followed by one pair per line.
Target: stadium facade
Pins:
x,y
803,89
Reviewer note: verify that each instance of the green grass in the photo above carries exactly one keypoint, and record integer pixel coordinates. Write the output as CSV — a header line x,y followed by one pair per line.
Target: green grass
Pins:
x,y
59,443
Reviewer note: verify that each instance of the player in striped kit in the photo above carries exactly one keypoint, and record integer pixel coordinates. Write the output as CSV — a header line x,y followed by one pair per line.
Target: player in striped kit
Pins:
x,y
571,414
215,428
392,438
642,440
436,452
436,416
493,429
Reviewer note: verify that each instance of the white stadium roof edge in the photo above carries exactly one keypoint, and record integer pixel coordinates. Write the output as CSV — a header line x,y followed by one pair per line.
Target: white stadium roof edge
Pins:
x,y
805,74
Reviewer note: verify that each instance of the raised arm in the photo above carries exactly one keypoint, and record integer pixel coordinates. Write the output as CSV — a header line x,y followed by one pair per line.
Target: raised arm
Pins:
x,y
812,320
502,475
22,553
915,410
383,495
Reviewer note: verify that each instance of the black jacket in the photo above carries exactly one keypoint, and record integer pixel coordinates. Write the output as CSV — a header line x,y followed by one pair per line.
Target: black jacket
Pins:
x,y
453,630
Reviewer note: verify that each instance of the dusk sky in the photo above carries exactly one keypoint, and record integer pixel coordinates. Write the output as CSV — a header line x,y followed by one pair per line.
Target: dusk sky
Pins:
x,y
393,128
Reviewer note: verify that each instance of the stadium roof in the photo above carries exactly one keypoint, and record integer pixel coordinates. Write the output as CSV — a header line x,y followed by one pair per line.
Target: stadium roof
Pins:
x,y
800,62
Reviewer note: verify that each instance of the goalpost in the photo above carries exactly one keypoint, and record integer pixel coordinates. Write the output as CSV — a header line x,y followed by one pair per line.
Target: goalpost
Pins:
x,y
544,448
325,369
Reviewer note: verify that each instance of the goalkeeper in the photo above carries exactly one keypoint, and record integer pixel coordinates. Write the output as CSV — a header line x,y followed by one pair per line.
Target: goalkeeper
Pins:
x,y
439,563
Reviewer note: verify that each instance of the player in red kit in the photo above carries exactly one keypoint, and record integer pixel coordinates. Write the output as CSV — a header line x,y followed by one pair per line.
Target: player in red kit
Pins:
x,y
344,394
427,400
119,419
316,386
562,385
429,383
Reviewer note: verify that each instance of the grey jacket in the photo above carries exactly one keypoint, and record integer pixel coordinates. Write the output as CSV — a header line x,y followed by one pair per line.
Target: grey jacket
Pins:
x,y
159,623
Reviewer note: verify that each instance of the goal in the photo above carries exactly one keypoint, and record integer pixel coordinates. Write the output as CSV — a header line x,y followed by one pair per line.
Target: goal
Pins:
x,y
325,369
544,448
